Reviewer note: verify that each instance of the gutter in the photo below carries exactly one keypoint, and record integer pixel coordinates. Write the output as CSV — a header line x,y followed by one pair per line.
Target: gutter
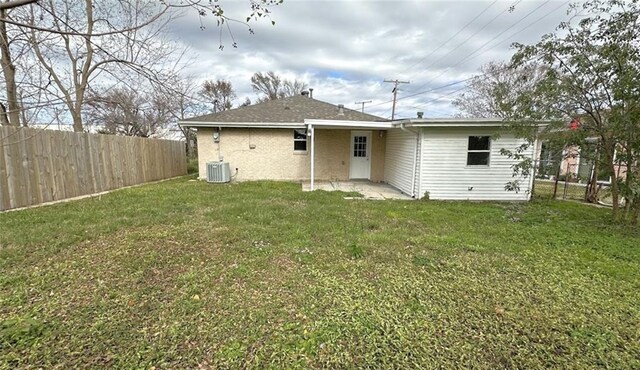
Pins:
x,y
415,159
287,125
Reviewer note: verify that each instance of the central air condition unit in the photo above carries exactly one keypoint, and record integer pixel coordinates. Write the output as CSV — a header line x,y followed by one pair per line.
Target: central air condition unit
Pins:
x,y
218,172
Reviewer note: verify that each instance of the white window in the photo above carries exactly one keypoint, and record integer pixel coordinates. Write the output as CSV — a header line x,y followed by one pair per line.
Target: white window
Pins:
x,y
300,140
478,151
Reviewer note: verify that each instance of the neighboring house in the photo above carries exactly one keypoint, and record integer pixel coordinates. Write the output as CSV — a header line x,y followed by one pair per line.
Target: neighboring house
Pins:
x,y
575,166
574,163
304,139
567,163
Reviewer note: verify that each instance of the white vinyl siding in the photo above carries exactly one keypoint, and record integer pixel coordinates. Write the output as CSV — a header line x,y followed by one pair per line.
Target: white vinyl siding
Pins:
x,y
444,172
400,159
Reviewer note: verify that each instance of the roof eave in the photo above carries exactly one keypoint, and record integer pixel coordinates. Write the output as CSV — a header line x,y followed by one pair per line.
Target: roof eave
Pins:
x,y
348,124
204,124
455,122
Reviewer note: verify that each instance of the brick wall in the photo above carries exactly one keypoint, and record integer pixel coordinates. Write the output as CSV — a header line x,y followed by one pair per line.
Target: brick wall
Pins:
x,y
261,154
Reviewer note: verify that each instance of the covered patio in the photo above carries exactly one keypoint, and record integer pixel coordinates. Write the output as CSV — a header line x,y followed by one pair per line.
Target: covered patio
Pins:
x,y
362,156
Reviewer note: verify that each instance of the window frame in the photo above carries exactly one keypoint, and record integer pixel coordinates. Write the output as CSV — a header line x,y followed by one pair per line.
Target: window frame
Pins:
x,y
487,151
300,140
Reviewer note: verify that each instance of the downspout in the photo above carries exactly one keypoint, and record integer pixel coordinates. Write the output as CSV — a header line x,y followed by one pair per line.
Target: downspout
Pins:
x,y
415,159
313,154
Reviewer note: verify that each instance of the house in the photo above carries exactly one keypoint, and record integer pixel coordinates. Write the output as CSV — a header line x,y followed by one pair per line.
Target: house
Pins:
x,y
574,163
304,139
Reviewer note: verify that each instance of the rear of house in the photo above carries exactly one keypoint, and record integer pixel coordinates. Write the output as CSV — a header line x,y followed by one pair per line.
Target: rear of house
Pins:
x,y
271,141
454,159
256,153
303,139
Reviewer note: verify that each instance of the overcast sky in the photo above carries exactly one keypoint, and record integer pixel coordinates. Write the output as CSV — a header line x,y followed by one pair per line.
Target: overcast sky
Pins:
x,y
345,49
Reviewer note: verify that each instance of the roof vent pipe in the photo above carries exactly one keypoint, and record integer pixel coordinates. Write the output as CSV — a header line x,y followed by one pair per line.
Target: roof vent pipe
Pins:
x,y
311,93
420,114
305,93
341,109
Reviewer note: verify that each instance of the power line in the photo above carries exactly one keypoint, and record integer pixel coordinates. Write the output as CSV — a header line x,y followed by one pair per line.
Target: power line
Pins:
x,y
471,36
458,46
439,98
395,94
452,37
443,96
481,75
491,40
430,90
469,56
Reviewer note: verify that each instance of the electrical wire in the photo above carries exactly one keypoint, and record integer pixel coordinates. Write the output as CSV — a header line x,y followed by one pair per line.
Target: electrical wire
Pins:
x,y
460,61
476,51
474,34
452,37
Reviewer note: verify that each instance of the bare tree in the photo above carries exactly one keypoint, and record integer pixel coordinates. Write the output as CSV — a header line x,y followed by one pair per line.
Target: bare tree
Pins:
x,y
90,40
491,94
270,86
183,99
220,93
128,111
80,42
291,88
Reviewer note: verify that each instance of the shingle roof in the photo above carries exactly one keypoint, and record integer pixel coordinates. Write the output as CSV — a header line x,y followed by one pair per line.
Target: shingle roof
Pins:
x,y
294,109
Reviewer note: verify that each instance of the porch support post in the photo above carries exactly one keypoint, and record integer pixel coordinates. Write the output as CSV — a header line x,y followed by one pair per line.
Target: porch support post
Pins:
x,y
313,155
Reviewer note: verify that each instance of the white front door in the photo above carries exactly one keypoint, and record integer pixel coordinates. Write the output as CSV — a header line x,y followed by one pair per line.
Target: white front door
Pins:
x,y
360,167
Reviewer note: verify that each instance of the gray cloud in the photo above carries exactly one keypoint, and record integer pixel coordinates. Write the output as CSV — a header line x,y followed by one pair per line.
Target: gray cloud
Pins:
x,y
345,49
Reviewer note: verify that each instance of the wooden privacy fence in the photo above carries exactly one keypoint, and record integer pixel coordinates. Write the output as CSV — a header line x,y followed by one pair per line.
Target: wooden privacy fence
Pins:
x,y
38,166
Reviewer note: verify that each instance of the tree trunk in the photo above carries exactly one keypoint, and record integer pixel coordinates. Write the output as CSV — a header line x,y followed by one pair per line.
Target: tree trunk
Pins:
x,y
9,71
636,211
555,184
630,201
77,122
615,192
592,196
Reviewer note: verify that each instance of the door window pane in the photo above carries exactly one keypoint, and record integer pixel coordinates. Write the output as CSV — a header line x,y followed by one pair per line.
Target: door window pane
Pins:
x,y
359,146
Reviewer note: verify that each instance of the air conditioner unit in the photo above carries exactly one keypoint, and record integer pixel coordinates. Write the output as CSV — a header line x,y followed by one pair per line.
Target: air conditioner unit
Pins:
x,y
218,172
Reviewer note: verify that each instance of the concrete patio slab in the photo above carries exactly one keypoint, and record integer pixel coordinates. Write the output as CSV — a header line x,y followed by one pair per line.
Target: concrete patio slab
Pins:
x,y
369,190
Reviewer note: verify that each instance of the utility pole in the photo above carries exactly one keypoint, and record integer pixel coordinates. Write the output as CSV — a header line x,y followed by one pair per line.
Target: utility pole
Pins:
x,y
395,83
363,103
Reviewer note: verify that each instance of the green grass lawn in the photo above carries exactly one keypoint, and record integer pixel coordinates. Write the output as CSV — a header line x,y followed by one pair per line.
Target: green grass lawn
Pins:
x,y
191,275
566,190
